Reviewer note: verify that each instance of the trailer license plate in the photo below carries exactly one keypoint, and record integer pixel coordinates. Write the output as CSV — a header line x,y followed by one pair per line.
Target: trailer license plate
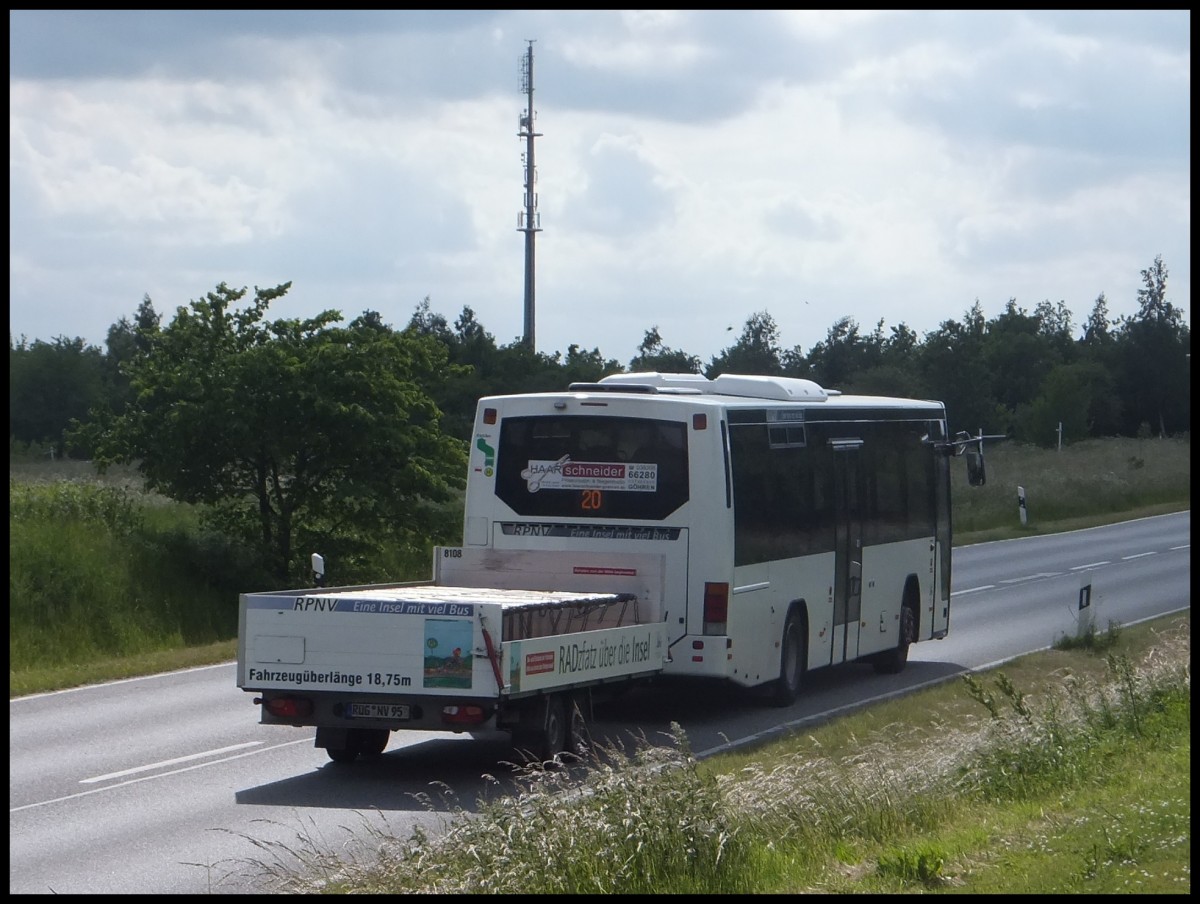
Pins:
x,y
395,711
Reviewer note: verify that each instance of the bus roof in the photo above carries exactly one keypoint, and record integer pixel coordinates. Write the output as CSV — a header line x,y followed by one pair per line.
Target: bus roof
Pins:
x,y
735,390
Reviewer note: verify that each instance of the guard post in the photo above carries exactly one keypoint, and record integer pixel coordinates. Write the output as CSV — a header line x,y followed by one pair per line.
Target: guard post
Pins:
x,y
1085,615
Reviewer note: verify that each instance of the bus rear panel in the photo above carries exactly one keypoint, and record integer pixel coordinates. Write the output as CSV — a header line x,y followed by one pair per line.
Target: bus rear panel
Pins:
x,y
763,498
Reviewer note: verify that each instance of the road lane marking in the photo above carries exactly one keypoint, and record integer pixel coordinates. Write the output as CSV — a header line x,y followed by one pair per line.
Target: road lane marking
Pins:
x,y
1139,555
1033,577
1090,565
973,589
178,759
148,778
1184,546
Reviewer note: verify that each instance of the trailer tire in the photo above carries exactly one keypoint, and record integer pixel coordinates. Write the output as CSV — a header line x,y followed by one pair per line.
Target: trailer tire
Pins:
x,y
365,742
579,738
342,754
543,731
554,735
372,741
791,661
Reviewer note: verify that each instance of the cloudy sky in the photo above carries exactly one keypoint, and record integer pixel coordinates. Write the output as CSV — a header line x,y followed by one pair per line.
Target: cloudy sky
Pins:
x,y
694,168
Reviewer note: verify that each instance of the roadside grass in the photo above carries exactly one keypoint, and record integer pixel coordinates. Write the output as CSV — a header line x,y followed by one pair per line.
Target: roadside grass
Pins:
x,y
104,579
1066,771
1091,482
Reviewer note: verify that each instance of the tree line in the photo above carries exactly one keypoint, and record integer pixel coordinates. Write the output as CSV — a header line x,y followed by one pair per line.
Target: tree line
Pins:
x,y
296,432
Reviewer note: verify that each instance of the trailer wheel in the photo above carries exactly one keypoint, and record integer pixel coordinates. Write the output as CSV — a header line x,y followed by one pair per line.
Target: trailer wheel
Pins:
x,y
364,742
791,662
542,733
554,735
342,754
372,741
579,738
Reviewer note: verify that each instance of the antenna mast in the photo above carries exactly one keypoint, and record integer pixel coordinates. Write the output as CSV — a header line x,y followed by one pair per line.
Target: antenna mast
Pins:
x,y
529,220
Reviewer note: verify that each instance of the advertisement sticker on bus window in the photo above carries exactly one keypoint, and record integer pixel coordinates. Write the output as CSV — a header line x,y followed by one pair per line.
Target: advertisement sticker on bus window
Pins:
x,y
565,474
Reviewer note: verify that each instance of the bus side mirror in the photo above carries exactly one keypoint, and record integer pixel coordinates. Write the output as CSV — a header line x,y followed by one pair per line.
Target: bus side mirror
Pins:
x,y
976,475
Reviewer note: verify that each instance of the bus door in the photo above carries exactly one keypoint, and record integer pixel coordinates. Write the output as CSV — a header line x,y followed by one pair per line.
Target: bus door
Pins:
x,y
847,579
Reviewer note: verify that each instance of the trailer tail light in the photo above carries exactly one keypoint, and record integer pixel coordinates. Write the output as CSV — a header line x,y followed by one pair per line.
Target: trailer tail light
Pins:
x,y
463,715
716,607
289,707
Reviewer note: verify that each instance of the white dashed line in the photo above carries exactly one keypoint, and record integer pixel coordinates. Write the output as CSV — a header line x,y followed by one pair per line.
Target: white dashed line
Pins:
x,y
179,759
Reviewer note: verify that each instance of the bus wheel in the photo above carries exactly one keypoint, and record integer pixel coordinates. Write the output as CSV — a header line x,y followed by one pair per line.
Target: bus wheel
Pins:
x,y
791,663
893,661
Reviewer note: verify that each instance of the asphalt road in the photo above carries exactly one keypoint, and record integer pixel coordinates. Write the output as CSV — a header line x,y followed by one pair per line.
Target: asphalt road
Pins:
x,y
168,784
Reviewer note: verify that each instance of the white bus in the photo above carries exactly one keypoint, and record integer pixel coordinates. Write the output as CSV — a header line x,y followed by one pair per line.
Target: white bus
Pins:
x,y
798,527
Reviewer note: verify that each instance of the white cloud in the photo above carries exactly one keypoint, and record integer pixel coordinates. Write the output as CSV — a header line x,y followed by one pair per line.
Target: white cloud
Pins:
x,y
694,168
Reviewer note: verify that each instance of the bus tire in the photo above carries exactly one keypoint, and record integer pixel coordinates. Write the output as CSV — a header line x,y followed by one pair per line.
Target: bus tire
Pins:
x,y
791,662
892,662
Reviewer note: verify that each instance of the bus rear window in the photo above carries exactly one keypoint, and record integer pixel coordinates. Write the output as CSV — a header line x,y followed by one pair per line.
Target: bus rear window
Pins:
x,y
592,467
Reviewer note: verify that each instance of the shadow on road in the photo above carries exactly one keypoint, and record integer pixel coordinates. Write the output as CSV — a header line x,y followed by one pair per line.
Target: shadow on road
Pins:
x,y
444,773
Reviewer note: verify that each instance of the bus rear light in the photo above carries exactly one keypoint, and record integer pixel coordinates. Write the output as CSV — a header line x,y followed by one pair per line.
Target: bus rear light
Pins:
x,y
716,607
489,415
699,421
289,707
463,715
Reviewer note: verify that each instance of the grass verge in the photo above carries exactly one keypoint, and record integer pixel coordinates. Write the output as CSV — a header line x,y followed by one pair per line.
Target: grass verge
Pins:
x,y
1066,771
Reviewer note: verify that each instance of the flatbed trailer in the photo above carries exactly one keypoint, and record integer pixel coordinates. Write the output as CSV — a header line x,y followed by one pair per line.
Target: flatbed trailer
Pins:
x,y
475,648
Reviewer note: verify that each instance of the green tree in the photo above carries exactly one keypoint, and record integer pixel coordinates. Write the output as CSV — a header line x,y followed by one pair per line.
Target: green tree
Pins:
x,y
1054,323
952,368
1019,354
654,356
51,384
295,434
1073,395
890,365
1098,348
582,366
756,351
1097,331
851,362
1154,346
127,339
